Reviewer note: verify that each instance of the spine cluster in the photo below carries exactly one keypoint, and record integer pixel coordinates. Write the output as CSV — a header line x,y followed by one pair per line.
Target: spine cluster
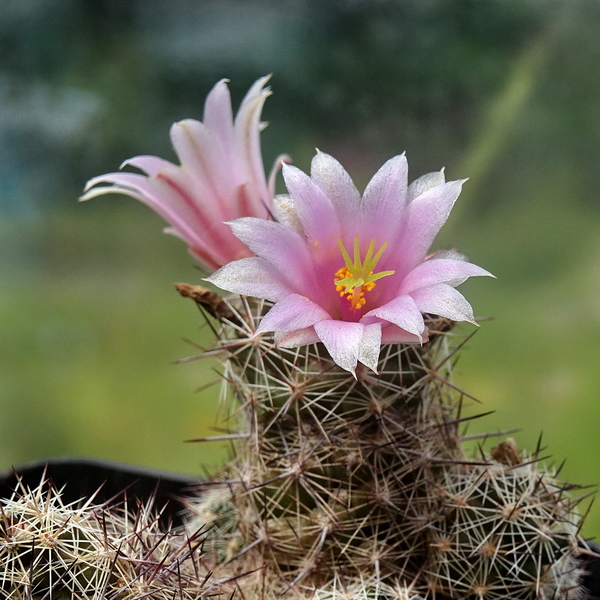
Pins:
x,y
55,551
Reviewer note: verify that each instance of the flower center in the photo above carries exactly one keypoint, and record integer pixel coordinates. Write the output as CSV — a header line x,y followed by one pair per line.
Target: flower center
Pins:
x,y
357,276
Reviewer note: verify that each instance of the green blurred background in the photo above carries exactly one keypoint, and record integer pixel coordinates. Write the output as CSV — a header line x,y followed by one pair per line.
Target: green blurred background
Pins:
x,y
506,92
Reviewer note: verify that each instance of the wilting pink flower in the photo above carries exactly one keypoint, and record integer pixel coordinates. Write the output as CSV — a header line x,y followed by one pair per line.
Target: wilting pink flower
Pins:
x,y
352,272
221,176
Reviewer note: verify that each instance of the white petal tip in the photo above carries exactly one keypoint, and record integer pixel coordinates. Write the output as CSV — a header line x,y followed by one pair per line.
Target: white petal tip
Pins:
x,y
92,192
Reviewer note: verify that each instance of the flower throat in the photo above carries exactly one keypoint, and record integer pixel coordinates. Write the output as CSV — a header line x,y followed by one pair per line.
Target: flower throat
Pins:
x,y
357,277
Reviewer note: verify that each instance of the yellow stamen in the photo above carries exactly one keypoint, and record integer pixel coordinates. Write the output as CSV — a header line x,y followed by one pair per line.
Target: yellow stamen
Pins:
x,y
357,277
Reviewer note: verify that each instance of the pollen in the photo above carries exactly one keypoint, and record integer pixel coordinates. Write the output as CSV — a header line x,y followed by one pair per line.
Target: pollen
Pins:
x,y
357,277
356,295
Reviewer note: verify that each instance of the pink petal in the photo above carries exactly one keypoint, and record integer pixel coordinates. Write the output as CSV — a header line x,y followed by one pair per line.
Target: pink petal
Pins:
x,y
425,216
385,198
163,199
403,312
218,116
293,339
247,129
192,142
424,183
440,270
391,334
291,313
370,346
445,301
280,246
133,181
333,179
251,277
206,160
282,159
176,191
343,341
314,208
151,165
285,213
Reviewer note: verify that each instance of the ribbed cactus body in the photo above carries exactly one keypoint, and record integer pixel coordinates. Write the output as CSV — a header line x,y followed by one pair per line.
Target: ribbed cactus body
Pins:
x,y
334,470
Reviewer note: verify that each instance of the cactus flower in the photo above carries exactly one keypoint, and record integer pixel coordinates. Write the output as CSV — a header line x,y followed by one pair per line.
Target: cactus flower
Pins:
x,y
221,176
349,271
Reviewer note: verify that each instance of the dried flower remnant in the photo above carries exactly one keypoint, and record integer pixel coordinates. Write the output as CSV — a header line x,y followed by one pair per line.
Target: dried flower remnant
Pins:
x,y
349,271
221,176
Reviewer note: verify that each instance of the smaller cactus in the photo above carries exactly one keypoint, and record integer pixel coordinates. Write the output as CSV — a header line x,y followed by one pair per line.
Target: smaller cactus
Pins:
x,y
504,529
47,545
49,549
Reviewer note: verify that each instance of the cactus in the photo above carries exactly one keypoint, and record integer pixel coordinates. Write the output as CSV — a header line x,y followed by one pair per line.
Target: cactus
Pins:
x,y
504,531
340,484
339,488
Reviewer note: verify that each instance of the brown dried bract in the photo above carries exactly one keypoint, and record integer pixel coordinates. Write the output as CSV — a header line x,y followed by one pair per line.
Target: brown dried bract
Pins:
x,y
210,301
507,453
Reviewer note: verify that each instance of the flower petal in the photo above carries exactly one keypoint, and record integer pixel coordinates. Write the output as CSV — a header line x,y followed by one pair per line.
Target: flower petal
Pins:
x,y
334,180
424,183
445,301
285,213
247,128
440,270
251,277
314,208
385,198
426,215
343,341
201,154
370,346
403,312
293,339
392,334
151,165
218,115
213,168
292,313
280,246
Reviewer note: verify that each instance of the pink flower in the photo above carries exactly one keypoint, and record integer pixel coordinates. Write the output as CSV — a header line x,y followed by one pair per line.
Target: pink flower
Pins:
x,y
347,271
221,176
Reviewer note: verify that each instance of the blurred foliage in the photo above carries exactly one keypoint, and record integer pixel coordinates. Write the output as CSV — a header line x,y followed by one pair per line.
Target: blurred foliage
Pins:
x,y
504,91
